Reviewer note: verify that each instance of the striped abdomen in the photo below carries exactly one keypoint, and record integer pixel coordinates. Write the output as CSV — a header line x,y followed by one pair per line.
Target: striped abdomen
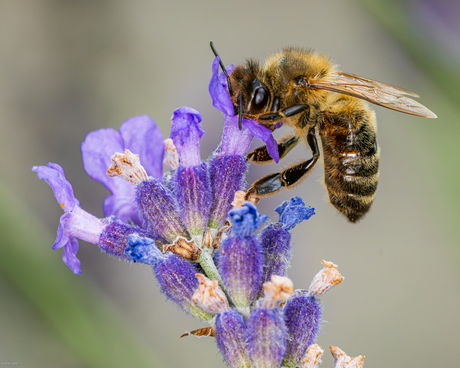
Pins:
x,y
351,156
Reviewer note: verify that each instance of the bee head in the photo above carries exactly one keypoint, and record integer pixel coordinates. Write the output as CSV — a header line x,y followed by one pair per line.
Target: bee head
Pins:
x,y
249,92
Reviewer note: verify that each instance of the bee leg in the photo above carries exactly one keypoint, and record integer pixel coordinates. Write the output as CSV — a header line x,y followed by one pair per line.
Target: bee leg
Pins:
x,y
261,156
275,117
273,183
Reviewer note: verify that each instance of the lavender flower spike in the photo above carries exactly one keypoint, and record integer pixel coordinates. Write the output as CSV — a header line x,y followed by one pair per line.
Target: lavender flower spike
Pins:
x,y
266,327
75,222
175,275
241,259
192,185
276,239
140,135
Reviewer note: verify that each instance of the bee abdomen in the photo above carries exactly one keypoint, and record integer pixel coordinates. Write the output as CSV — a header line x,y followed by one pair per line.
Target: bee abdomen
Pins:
x,y
351,162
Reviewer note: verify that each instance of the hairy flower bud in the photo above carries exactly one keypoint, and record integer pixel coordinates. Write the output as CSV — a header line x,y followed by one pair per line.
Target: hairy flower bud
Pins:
x,y
175,275
160,210
232,339
241,259
267,337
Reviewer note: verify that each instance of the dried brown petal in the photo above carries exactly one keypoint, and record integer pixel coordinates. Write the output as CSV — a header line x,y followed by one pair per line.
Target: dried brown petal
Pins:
x,y
128,166
210,296
313,357
171,157
325,279
185,248
342,360
277,291
201,332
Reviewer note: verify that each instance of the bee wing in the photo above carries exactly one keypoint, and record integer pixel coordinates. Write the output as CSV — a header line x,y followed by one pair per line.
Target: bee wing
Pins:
x,y
376,92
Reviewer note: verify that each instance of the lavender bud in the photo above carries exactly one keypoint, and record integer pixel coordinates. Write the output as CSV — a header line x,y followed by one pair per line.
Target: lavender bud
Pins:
x,y
241,259
114,238
302,315
231,335
276,244
160,210
175,275
267,337
226,174
192,188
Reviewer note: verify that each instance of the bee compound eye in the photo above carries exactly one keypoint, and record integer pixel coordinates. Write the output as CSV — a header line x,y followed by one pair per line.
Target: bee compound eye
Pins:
x,y
260,97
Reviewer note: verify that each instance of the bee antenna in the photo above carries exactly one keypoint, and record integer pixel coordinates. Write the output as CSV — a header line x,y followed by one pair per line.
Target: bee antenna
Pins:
x,y
240,110
222,67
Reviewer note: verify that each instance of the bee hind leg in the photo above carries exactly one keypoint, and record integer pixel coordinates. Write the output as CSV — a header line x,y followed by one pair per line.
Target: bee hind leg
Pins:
x,y
260,155
272,183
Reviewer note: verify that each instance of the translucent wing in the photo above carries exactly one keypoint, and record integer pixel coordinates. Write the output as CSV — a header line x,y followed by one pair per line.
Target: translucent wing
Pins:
x,y
376,92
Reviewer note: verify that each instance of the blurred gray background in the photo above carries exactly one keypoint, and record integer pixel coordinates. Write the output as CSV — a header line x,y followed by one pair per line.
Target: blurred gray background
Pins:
x,y
70,67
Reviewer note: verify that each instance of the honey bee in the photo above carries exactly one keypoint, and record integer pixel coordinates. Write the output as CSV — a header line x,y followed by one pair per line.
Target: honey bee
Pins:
x,y
304,90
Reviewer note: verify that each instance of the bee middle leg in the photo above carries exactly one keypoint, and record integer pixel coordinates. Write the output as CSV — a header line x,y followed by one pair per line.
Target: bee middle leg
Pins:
x,y
273,183
260,155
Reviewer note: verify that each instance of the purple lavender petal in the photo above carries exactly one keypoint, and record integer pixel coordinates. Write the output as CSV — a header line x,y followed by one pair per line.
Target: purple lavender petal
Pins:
x,y
227,176
53,174
246,220
294,211
74,223
267,337
70,256
231,336
218,90
186,134
142,137
143,250
123,207
302,315
264,134
96,150
237,142
234,140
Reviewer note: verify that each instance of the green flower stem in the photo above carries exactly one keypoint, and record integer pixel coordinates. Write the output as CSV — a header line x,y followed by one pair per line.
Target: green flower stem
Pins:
x,y
209,267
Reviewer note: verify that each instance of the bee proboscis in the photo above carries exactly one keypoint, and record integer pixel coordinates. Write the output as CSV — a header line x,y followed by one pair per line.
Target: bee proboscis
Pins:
x,y
305,91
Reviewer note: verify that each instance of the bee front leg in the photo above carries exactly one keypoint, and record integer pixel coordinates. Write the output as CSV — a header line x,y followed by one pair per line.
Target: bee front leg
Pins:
x,y
272,183
260,155
272,118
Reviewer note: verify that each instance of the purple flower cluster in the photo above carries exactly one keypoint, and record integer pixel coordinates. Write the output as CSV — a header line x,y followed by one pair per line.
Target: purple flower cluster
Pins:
x,y
225,274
